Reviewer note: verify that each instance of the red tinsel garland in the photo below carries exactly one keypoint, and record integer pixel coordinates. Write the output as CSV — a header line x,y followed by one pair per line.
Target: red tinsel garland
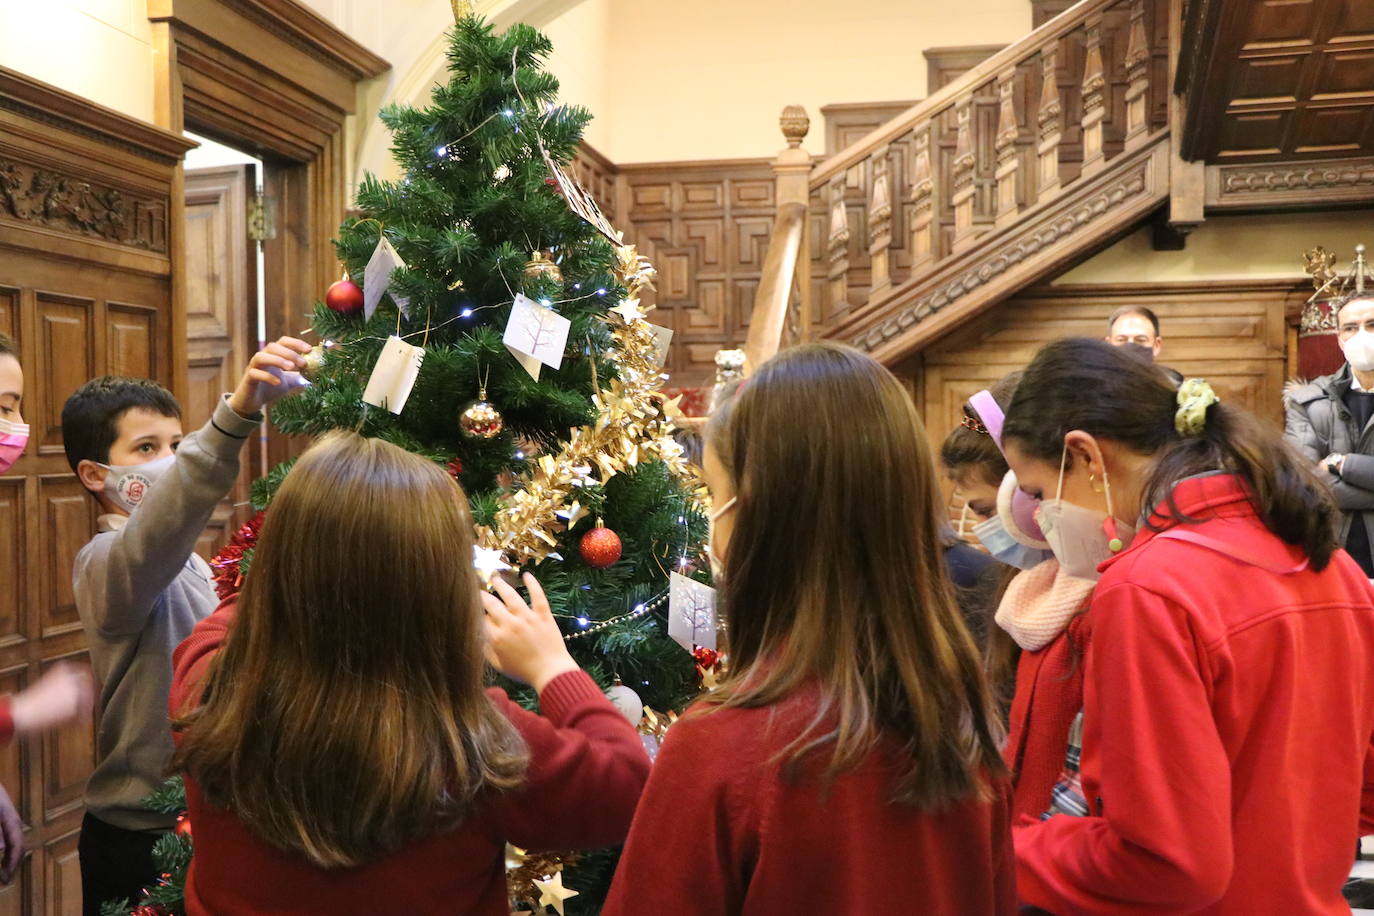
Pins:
x,y
226,564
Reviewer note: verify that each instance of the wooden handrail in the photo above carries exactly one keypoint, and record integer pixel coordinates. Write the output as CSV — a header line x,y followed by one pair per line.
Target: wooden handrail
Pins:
x,y
946,97
768,321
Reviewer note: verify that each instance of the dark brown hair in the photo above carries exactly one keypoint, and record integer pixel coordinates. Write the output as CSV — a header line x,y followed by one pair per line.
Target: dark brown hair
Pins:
x,y
7,347
90,418
1092,386
967,450
345,716
856,599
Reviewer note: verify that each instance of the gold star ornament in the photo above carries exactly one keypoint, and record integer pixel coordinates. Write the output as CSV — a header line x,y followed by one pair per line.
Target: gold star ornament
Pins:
x,y
488,562
553,893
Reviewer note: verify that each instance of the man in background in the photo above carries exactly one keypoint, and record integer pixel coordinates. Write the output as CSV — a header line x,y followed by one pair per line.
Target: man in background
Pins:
x,y
1136,326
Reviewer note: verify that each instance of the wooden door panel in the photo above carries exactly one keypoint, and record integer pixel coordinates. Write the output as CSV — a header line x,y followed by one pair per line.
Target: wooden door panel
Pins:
x,y
62,878
11,560
68,360
221,281
130,340
9,312
67,512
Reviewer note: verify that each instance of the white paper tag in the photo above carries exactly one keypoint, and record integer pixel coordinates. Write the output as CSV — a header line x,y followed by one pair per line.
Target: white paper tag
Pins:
x,y
394,375
691,612
580,202
535,335
662,338
377,276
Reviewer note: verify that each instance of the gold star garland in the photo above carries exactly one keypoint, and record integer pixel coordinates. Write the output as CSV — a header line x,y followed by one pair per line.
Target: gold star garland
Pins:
x,y
634,423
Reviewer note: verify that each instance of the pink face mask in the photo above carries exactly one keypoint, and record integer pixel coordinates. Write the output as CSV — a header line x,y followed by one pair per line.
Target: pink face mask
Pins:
x,y
13,438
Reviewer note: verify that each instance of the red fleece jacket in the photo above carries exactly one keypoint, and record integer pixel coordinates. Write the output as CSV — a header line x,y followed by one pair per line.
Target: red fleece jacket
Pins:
x,y
1049,694
721,831
1228,718
587,767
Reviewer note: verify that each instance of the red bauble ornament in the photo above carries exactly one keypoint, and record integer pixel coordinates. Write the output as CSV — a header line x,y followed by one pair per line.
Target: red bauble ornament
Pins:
x,y
553,183
344,297
183,827
455,468
705,657
600,547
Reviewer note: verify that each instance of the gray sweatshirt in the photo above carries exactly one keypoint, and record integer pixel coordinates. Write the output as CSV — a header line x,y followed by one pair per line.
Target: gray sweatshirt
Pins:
x,y
141,588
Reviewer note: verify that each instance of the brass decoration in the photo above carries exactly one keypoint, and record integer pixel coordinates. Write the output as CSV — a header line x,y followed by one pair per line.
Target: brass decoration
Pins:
x,y
79,207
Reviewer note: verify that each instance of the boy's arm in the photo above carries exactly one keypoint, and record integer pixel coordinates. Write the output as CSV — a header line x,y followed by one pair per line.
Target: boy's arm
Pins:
x,y
119,575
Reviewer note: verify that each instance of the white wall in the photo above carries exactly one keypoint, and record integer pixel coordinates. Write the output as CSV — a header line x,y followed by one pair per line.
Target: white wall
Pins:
x,y
1231,247
706,79
98,49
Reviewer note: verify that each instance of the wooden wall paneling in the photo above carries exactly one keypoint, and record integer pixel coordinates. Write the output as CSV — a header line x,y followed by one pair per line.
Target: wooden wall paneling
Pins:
x,y
1042,11
85,289
947,64
1232,333
849,122
706,226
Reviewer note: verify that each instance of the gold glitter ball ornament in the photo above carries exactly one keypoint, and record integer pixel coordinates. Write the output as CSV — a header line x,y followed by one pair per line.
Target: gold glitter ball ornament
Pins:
x,y
539,266
314,361
481,419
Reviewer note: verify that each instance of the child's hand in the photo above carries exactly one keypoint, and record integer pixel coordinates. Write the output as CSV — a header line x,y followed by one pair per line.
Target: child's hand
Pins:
x,y
62,694
272,372
523,642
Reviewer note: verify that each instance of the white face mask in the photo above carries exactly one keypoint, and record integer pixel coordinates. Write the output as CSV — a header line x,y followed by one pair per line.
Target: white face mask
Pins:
x,y
1359,351
1082,539
993,535
127,484
717,564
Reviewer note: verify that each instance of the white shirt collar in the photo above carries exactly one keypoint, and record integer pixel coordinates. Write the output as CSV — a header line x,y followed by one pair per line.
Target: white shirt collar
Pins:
x,y
111,522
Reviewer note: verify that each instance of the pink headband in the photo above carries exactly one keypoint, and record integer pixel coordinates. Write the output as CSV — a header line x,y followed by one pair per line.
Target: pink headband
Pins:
x,y
1017,508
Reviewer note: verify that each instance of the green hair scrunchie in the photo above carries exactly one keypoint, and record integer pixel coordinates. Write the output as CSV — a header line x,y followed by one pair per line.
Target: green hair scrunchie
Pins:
x,y
1194,397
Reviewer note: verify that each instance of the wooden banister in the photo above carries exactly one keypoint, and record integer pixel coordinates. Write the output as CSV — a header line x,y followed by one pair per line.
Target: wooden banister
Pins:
x,y
1071,20
769,321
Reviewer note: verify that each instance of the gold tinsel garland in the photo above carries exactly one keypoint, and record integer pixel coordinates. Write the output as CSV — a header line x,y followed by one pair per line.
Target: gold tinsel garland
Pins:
x,y
634,423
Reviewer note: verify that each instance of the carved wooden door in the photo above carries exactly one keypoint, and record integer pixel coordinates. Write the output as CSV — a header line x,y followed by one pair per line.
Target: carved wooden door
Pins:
x,y
71,321
221,316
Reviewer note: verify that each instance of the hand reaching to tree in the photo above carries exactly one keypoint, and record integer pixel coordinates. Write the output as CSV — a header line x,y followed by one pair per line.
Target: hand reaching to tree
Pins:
x,y
61,695
523,640
274,371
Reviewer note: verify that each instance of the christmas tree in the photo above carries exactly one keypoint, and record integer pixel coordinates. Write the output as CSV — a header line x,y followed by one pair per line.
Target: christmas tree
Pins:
x,y
561,439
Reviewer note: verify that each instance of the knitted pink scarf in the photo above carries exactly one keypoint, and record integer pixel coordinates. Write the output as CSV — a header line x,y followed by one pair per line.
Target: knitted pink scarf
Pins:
x,y
1040,602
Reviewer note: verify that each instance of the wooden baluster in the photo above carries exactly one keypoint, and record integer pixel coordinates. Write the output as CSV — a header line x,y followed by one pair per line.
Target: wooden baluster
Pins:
x,y
923,228
880,223
1137,78
964,162
792,184
1094,99
1050,121
838,248
1008,158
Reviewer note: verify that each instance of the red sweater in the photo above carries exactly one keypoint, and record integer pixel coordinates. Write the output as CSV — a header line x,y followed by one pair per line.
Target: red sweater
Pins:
x,y
1228,717
719,831
1049,694
587,767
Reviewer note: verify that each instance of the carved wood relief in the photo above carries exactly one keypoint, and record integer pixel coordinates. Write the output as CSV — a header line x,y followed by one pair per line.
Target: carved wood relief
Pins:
x,y
76,206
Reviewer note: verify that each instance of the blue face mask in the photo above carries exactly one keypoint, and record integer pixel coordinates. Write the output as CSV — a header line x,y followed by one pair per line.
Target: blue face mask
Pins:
x,y
993,535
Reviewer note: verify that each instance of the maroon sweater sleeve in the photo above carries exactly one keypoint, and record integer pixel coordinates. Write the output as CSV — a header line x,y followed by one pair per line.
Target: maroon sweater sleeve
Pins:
x,y
6,721
587,768
192,658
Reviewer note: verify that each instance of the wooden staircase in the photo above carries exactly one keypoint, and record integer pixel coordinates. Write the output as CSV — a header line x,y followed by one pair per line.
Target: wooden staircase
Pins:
x,y
1031,161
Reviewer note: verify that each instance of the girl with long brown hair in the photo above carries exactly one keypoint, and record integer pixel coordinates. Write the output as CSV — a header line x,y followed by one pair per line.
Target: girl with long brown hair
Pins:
x,y
1228,708
850,760
338,747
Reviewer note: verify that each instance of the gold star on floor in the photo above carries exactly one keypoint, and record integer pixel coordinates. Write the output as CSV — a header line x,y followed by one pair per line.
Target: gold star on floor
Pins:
x,y
553,893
